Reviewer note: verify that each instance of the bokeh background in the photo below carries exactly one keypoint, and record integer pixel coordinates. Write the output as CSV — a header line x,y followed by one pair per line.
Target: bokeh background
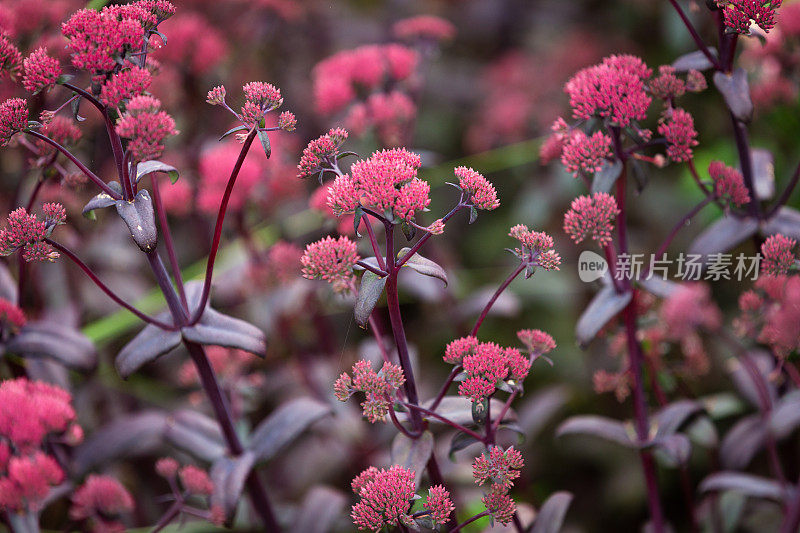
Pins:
x,y
484,98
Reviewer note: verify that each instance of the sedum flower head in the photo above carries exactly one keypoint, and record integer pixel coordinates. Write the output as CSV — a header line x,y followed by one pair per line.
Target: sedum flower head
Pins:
x,y
584,153
378,388
10,57
28,481
320,154
384,497
28,232
536,341
500,467
777,255
124,85
40,71
613,89
11,315
739,15
500,504
481,191
196,480
728,183
485,364
13,118
424,27
677,127
593,217
331,260
536,248
146,126
100,496
32,410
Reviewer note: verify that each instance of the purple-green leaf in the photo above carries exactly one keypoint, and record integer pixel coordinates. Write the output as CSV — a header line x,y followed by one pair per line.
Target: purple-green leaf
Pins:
x,y
742,442
786,221
284,425
723,235
696,60
424,266
673,416
101,200
320,510
604,306
228,476
597,426
369,292
147,167
149,344
551,515
412,454
217,329
753,486
736,92
56,341
196,434
140,218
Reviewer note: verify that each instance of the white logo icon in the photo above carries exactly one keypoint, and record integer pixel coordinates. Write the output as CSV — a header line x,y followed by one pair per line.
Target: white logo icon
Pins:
x,y
591,266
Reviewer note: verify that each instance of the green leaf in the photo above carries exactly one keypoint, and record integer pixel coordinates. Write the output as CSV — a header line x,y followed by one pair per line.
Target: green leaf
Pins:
x,y
264,138
424,266
147,167
357,214
64,78
368,295
232,131
76,107
408,230
473,214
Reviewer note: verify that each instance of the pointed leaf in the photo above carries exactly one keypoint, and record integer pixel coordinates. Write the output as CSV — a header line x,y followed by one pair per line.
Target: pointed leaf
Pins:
x,y
263,136
551,515
8,286
412,453
670,419
763,173
320,510
785,418
604,306
424,266
217,329
151,343
736,92
196,434
101,200
473,214
56,341
147,167
753,486
140,219
357,214
126,436
742,442
723,235
786,221
408,230
284,425
459,442
663,288
233,130
368,295
459,410
228,476
673,450
598,426
604,180
696,60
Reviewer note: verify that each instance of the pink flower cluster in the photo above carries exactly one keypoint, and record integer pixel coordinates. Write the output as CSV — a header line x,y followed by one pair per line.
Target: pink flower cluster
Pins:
x,y
196,45
96,39
62,130
690,308
536,247
338,78
40,71
124,85
385,499
13,118
728,183
614,89
215,168
584,153
536,341
27,232
321,153
379,388
11,315
10,57
501,467
260,98
146,126
677,127
591,216
387,182
32,410
101,499
778,256
389,112
480,191
740,14
331,260
485,364
668,86
771,313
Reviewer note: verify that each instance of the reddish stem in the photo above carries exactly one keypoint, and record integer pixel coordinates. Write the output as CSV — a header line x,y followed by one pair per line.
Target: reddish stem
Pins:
x,y
168,243
495,296
218,227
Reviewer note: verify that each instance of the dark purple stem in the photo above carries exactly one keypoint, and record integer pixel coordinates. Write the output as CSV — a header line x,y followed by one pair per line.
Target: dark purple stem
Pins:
x,y
83,168
376,271
374,242
89,272
468,521
439,397
218,227
419,409
495,296
414,249
168,243
746,164
783,199
696,36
